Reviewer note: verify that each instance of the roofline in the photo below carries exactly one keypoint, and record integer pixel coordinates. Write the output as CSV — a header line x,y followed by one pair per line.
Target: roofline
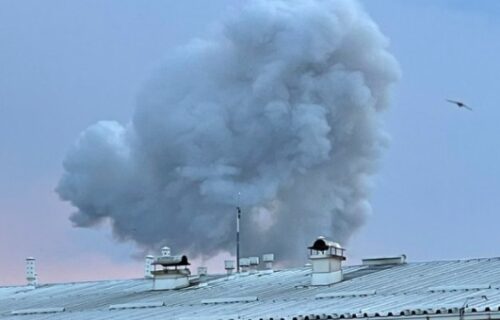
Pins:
x,y
283,269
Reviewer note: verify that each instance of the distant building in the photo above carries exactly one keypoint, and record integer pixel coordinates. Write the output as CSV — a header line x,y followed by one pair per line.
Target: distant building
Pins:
x,y
382,288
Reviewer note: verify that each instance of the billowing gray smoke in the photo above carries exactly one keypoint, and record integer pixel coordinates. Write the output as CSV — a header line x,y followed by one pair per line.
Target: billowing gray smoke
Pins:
x,y
281,104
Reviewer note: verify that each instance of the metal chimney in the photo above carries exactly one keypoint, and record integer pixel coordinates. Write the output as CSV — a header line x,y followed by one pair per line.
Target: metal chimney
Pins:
x,y
31,275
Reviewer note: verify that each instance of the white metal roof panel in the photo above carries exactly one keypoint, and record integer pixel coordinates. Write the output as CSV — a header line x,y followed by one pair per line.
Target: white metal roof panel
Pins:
x,y
397,290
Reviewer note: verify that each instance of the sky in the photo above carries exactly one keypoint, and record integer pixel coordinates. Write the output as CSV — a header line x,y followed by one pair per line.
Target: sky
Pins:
x,y
65,65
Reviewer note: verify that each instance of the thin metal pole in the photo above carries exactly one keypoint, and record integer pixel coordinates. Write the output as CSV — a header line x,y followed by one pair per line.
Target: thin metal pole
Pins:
x,y
238,217
238,239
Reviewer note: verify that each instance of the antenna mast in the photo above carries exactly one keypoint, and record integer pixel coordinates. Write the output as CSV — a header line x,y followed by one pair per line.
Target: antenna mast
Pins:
x,y
238,216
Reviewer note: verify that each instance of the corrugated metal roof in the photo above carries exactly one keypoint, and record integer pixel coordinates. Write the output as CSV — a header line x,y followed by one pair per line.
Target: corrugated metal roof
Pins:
x,y
413,288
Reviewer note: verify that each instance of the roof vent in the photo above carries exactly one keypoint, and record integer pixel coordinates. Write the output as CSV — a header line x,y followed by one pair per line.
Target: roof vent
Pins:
x,y
244,264
31,275
37,311
202,271
326,258
254,264
138,305
229,266
268,260
148,267
345,294
384,261
230,300
254,261
463,287
174,273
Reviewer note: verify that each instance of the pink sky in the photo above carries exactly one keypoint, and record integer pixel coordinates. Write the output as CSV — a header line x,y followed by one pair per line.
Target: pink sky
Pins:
x,y
61,255
64,253
49,237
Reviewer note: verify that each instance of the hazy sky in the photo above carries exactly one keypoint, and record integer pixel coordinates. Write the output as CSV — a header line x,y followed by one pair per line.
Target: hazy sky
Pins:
x,y
65,65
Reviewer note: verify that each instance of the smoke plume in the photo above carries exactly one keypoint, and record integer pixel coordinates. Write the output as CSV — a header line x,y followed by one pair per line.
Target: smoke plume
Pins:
x,y
281,104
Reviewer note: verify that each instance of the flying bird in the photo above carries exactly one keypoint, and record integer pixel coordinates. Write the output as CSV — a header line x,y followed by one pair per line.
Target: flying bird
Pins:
x,y
460,104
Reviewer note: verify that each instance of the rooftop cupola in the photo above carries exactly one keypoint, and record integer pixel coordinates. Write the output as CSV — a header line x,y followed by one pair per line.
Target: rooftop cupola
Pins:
x,y
174,273
326,260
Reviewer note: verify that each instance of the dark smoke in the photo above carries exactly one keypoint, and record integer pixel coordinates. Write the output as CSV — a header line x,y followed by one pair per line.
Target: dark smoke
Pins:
x,y
281,105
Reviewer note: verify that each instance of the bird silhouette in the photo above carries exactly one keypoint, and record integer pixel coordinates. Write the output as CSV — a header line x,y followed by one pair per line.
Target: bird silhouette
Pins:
x,y
459,104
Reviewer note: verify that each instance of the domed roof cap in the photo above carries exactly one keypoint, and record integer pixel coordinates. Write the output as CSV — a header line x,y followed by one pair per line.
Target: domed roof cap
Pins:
x,y
172,261
322,244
